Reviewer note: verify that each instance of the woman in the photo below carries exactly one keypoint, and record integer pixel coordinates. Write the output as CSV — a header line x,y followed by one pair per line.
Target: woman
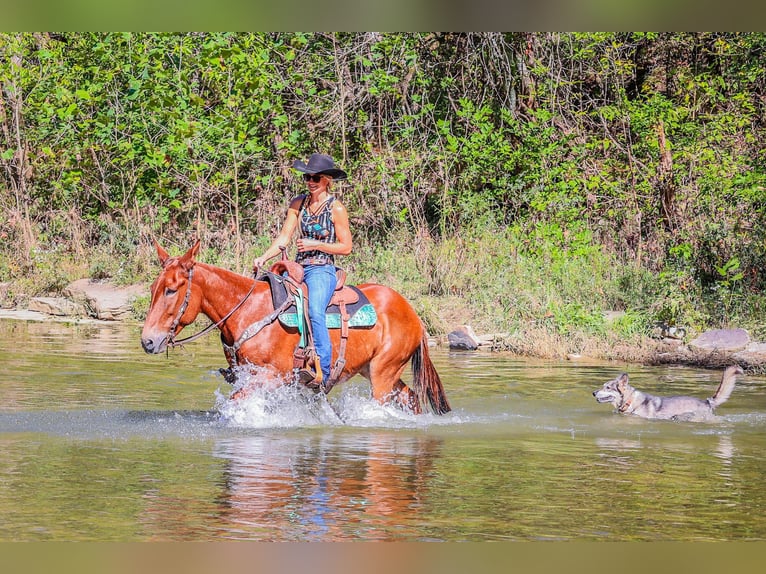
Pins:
x,y
323,233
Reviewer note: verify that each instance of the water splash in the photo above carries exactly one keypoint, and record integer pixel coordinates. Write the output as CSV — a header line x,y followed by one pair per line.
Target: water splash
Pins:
x,y
281,407
272,404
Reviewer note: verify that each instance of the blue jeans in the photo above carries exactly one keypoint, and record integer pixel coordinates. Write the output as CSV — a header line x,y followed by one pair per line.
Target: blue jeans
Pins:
x,y
321,281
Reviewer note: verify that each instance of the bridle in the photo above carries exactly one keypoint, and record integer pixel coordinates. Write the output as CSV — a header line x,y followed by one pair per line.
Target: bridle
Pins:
x,y
172,331
171,338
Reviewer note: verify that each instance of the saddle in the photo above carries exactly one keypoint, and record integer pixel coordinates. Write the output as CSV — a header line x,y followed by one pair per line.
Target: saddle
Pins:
x,y
343,294
349,307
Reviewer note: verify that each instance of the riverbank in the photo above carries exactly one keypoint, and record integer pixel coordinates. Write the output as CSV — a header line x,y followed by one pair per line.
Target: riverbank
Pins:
x,y
712,349
89,301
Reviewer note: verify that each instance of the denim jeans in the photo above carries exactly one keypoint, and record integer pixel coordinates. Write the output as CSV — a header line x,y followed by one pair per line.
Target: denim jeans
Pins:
x,y
321,281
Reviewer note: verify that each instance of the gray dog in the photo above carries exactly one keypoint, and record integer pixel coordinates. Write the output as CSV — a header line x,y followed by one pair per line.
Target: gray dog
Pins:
x,y
630,401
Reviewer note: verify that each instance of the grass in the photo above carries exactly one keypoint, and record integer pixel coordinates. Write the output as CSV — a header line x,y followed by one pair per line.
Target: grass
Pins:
x,y
548,294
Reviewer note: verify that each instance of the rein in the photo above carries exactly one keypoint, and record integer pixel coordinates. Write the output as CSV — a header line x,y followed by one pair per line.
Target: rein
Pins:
x,y
171,334
231,350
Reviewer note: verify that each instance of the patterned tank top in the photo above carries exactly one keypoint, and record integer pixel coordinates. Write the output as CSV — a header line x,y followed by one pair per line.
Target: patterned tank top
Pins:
x,y
317,226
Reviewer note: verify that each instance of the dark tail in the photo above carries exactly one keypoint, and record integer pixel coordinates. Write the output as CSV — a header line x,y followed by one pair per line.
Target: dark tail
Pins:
x,y
724,390
426,382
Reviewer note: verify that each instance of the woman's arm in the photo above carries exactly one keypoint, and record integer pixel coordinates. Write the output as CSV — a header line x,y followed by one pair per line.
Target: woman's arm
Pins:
x,y
285,234
343,242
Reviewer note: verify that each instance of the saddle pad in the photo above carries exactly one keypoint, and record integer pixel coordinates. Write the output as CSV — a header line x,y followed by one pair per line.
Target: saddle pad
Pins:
x,y
365,316
361,313
278,289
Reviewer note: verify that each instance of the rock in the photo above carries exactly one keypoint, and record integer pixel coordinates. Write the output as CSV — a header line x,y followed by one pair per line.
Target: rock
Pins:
x,y
722,340
665,332
463,338
58,306
27,315
104,300
753,354
23,315
612,316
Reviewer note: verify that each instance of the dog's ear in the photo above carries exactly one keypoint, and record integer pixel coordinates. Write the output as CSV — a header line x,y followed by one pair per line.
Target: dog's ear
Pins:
x,y
622,381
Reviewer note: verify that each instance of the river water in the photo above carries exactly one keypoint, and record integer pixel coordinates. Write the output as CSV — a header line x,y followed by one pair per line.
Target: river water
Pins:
x,y
101,442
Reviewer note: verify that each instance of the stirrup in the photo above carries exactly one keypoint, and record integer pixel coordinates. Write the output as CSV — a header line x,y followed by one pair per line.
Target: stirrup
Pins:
x,y
306,377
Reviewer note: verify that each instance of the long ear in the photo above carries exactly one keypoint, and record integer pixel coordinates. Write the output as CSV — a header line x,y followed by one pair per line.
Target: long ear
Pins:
x,y
187,259
161,253
622,381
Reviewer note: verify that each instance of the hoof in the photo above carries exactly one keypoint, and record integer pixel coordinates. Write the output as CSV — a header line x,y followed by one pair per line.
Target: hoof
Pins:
x,y
228,375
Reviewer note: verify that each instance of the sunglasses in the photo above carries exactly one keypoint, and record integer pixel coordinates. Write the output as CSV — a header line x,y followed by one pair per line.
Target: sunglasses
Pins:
x,y
315,177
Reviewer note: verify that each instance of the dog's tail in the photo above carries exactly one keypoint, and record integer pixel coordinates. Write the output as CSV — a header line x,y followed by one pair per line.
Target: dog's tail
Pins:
x,y
723,392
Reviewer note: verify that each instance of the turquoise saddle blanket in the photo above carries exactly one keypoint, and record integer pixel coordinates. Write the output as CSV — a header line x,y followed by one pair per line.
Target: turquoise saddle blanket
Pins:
x,y
365,316
361,314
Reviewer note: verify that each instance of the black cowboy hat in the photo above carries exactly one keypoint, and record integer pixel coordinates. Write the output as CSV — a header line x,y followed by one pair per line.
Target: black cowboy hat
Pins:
x,y
320,163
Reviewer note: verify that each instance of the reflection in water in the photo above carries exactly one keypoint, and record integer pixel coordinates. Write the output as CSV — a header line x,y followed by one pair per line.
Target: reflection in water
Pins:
x,y
725,451
100,339
325,487
620,450
102,442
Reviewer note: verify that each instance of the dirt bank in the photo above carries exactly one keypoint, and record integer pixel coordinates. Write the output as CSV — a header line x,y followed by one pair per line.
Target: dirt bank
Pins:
x,y
712,349
97,301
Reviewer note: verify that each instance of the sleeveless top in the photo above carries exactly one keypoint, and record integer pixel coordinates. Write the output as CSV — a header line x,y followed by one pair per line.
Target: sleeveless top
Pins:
x,y
317,226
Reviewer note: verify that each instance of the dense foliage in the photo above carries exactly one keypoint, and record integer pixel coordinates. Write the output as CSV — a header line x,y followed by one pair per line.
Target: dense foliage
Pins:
x,y
528,176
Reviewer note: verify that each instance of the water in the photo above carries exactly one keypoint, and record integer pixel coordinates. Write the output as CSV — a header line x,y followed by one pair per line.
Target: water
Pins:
x,y
101,442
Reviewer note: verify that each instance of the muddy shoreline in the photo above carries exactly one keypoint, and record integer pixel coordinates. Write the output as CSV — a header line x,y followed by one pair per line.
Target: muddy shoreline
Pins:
x,y
88,301
752,357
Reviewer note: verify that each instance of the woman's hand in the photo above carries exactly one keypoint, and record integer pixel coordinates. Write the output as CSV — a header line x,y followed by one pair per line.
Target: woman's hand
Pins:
x,y
308,244
258,263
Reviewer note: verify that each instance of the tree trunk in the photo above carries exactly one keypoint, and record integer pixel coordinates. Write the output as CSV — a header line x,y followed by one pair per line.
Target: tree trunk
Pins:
x,y
664,183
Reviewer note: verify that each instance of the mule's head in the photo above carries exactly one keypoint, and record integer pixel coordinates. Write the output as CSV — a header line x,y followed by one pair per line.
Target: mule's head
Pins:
x,y
175,300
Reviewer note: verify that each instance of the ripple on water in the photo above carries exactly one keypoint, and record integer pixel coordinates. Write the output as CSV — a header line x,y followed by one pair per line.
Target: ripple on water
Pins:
x,y
111,424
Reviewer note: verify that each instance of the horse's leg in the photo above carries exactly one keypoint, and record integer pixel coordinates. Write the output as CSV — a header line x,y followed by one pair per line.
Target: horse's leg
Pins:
x,y
406,398
387,386
267,376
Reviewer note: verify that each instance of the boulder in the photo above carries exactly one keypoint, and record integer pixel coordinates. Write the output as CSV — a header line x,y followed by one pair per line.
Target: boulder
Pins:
x,y
612,316
753,354
463,338
721,340
104,300
23,315
58,306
